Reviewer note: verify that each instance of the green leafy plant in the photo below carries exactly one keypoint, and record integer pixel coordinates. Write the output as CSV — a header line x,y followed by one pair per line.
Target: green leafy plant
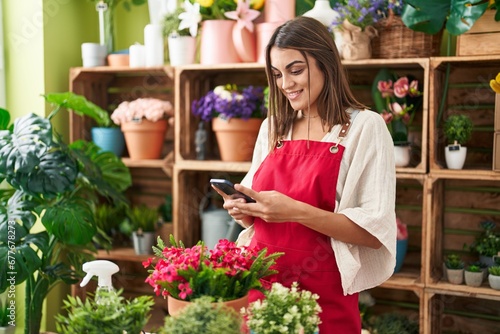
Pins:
x,y
494,270
115,315
488,242
284,310
5,311
204,316
171,23
458,129
432,16
473,268
108,219
454,261
57,185
143,217
394,323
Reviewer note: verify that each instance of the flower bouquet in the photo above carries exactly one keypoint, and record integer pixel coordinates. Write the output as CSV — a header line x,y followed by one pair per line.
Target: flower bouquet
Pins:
x,y
144,124
233,111
396,99
284,310
225,273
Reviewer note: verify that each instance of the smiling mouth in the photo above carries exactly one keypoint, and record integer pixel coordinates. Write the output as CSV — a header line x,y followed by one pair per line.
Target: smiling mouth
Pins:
x,y
294,94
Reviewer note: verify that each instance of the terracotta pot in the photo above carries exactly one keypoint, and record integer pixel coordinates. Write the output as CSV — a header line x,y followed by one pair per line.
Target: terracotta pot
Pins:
x,y
144,138
175,306
236,137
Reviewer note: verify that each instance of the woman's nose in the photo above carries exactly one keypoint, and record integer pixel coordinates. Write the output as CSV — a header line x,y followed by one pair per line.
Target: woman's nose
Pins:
x,y
286,82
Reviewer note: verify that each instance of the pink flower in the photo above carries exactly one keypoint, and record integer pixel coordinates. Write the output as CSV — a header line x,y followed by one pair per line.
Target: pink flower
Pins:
x,y
387,116
244,15
397,109
150,108
385,88
402,233
414,89
401,87
185,290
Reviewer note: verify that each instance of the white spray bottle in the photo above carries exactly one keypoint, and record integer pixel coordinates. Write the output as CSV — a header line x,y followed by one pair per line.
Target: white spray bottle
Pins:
x,y
103,270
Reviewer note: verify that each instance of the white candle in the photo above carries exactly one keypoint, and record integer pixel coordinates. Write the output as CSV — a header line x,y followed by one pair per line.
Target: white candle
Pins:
x,y
137,55
153,41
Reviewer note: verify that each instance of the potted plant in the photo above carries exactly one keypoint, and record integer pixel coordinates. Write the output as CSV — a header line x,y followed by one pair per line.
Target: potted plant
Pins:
x,y
222,39
457,130
397,99
116,315
226,273
108,219
284,310
494,277
210,318
56,185
166,227
181,42
144,222
105,134
454,269
401,244
486,244
144,123
235,111
394,323
473,275
7,324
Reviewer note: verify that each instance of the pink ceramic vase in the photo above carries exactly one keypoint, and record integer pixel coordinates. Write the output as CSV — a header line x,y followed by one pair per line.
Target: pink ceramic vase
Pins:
x,y
217,46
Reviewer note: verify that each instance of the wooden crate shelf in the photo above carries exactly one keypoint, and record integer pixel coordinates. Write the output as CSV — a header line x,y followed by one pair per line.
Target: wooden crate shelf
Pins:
x,y
468,93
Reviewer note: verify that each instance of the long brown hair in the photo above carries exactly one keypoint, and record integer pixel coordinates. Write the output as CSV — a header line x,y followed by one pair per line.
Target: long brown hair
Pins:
x,y
309,37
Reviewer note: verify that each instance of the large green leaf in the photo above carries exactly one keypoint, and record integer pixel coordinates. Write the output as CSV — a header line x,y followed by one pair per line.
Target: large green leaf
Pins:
x,y
71,220
55,174
80,105
20,260
21,151
431,16
4,119
19,209
104,171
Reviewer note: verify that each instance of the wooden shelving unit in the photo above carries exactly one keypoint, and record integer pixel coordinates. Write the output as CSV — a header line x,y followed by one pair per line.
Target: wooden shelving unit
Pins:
x,y
430,198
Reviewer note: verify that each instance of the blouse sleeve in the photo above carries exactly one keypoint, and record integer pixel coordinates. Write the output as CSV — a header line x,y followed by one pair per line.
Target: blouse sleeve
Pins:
x,y
366,195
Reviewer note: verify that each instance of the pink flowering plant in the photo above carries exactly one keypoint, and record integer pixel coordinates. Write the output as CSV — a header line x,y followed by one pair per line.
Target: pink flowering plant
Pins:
x,y
402,231
396,99
224,273
143,108
230,101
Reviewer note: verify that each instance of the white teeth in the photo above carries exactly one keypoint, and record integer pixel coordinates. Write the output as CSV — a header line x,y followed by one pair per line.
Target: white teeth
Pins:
x,y
293,94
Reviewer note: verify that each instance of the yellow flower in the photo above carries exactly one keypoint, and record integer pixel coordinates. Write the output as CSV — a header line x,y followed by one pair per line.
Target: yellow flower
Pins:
x,y
257,4
205,3
495,84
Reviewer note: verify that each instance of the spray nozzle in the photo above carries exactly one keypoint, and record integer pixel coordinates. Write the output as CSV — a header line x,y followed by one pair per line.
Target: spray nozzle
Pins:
x,y
102,269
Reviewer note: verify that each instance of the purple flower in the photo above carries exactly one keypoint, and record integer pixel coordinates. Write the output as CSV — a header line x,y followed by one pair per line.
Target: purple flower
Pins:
x,y
228,102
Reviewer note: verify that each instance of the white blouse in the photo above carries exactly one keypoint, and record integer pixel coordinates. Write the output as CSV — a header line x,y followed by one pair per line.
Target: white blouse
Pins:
x,y
365,194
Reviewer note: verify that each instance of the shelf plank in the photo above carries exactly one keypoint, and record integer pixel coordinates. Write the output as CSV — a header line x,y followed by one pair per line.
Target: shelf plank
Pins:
x,y
212,165
464,174
122,254
482,292
148,163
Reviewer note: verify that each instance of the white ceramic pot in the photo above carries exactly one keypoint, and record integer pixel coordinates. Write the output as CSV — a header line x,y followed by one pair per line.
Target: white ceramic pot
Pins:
x,y
455,156
494,282
474,278
402,155
455,276
181,50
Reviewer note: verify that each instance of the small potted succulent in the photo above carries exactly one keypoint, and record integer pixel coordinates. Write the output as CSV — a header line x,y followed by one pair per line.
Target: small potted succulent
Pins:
x,y
494,276
473,275
143,221
487,244
454,268
457,130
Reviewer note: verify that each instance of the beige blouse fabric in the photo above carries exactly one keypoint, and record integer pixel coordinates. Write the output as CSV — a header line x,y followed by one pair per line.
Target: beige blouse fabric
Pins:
x,y
365,194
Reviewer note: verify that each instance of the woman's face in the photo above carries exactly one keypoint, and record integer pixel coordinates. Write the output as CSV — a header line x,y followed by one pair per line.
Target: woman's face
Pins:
x,y
290,72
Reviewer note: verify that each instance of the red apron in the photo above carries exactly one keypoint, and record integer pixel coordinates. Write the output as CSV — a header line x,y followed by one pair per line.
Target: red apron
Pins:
x,y
308,175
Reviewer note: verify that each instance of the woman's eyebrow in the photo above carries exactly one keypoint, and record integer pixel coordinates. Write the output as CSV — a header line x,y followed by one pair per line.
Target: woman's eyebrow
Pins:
x,y
289,65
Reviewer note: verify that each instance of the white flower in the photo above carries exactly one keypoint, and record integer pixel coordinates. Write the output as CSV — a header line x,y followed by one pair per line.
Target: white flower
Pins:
x,y
190,18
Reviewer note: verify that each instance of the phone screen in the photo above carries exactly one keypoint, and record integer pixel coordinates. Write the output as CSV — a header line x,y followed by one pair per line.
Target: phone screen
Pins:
x,y
228,188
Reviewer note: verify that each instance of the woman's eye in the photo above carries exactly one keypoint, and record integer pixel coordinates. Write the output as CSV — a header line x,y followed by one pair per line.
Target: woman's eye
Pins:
x,y
277,75
297,72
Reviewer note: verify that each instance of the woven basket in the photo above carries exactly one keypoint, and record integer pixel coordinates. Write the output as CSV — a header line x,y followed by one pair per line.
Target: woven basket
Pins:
x,y
395,40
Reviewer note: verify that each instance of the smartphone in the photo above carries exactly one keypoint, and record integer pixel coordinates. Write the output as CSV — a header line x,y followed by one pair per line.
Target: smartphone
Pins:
x,y
228,188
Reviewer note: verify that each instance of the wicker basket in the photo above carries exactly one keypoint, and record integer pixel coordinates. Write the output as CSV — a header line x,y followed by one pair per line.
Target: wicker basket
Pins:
x,y
395,40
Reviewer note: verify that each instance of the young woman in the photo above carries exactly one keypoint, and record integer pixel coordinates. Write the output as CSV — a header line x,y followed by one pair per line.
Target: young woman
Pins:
x,y
323,177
